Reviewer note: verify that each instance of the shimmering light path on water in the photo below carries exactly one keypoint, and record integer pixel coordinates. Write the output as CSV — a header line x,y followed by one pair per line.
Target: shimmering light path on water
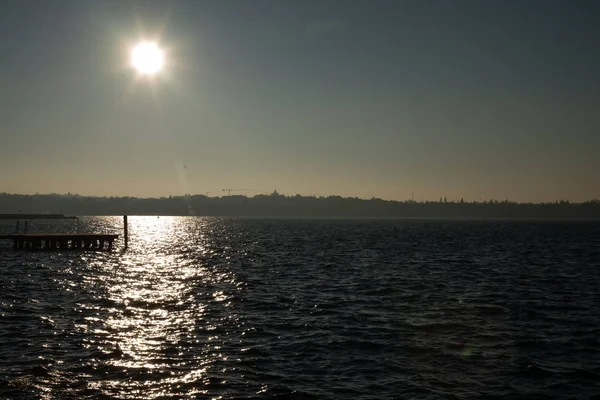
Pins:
x,y
299,308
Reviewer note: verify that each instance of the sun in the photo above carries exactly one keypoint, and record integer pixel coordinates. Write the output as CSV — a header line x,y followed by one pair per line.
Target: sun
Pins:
x,y
147,58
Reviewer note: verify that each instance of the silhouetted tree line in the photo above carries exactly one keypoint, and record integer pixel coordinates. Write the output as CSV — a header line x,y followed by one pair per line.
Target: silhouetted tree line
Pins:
x,y
293,206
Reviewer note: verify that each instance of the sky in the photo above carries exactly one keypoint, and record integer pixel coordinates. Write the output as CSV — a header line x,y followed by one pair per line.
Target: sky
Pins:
x,y
392,99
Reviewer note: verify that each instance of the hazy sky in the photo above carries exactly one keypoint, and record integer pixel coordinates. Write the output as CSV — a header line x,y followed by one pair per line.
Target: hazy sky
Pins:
x,y
474,99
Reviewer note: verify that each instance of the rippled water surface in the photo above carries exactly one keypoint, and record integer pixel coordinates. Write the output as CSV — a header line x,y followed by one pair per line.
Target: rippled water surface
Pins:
x,y
305,309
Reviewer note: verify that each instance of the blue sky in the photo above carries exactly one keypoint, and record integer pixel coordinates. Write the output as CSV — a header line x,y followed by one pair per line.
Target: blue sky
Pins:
x,y
473,99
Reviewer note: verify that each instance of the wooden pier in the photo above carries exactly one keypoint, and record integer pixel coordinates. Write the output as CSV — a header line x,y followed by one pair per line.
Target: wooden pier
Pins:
x,y
61,241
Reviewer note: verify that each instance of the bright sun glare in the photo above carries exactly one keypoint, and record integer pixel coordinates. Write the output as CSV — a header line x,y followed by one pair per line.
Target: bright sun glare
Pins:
x,y
147,58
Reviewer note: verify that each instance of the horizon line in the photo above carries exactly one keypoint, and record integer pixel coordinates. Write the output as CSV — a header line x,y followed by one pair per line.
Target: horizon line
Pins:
x,y
316,196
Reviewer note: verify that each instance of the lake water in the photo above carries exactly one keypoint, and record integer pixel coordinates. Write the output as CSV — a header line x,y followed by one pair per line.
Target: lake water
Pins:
x,y
305,309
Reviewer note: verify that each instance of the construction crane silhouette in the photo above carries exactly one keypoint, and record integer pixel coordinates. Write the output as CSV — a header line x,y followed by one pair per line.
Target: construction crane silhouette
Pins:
x,y
237,190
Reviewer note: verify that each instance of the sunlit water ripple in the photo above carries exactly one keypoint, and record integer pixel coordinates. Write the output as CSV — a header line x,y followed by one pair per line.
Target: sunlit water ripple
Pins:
x,y
305,309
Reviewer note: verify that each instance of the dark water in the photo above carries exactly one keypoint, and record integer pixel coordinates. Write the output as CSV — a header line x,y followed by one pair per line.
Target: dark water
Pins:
x,y
306,309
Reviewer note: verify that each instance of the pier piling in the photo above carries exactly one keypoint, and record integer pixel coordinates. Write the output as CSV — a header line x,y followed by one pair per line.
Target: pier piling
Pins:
x,y
125,230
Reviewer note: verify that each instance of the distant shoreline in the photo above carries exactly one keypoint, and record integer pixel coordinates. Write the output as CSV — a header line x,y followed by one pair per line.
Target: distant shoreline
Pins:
x,y
354,217
276,205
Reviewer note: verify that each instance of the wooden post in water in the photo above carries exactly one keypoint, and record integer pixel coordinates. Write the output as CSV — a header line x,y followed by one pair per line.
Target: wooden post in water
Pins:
x,y
125,228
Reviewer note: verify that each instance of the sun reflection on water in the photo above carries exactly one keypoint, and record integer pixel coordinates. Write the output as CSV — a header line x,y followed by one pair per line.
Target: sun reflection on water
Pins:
x,y
160,307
